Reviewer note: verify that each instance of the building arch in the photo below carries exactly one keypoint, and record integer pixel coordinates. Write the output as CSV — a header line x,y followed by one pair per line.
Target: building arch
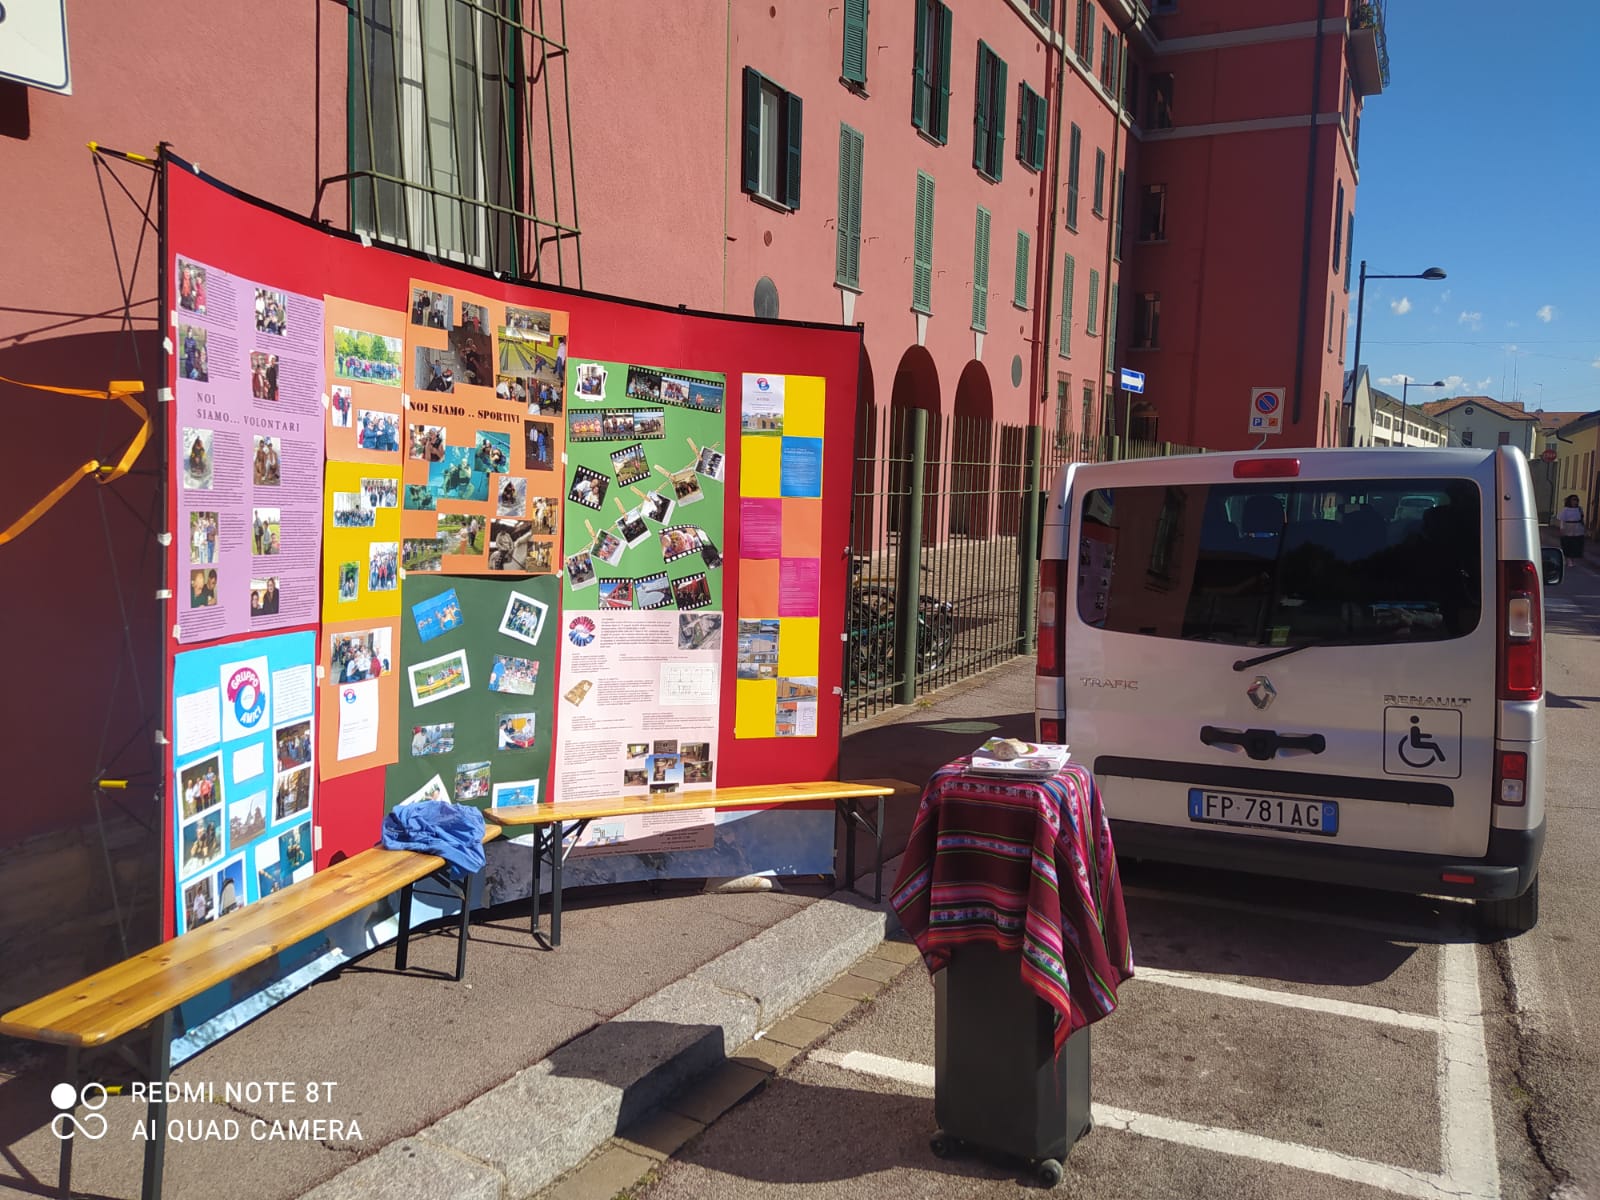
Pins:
x,y
916,386
972,444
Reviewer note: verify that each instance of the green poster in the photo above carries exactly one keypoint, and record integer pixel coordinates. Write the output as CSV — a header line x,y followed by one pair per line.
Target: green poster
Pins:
x,y
478,670
645,475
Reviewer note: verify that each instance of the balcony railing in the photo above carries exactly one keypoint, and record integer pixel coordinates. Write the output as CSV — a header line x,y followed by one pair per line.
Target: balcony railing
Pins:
x,y
1369,49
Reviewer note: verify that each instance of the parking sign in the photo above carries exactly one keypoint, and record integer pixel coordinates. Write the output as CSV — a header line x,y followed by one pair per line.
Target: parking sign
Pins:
x,y
1266,410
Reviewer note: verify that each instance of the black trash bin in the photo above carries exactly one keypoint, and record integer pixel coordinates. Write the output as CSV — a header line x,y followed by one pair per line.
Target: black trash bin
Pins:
x,y
999,1085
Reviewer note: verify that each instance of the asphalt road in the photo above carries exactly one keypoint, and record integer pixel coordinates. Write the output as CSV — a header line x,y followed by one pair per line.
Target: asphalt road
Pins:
x,y
1280,1039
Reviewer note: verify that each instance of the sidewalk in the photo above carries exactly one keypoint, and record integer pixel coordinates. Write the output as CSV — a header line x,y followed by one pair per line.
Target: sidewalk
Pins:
x,y
496,1086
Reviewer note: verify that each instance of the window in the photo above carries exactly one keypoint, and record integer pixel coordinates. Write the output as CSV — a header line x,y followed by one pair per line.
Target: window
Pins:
x,y
1088,413
1088,405
1074,150
1130,89
1116,239
1161,101
1330,322
1341,334
1108,60
1068,270
771,141
1338,227
1041,9
922,246
1063,413
1147,322
1505,437
980,271
1099,183
854,68
1466,437
1153,213
847,258
1349,248
930,71
1019,292
1092,317
1030,127
989,114
1083,38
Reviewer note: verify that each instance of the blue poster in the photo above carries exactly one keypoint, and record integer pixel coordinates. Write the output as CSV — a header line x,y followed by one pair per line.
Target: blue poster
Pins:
x,y
800,469
243,775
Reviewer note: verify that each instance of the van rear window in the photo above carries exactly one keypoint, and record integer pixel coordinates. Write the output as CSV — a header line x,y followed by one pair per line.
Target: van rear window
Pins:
x,y
1282,563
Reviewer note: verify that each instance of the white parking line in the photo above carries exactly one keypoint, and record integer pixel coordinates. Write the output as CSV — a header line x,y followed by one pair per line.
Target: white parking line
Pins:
x,y
1465,1099
859,1061
1240,991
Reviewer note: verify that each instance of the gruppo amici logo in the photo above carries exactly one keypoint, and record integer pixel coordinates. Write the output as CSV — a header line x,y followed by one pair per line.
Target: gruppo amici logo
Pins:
x,y
762,385
245,694
580,631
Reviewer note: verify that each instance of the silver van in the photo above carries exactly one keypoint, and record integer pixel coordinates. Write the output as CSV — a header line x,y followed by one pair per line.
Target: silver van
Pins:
x,y
1323,664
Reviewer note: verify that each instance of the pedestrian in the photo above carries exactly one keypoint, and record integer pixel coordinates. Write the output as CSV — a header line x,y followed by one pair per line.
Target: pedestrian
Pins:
x,y
1571,518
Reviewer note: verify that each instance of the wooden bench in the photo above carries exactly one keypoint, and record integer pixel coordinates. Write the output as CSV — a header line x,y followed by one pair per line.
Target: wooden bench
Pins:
x,y
100,1011
552,824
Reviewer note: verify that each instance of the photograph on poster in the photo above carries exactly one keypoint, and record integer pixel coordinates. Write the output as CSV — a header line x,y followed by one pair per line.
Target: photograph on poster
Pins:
x,y
247,819
269,878
436,370
542,510
664,746
539,437
436,615
515,793
711,463
351,510
653,591
635,777
199,903
540,557
580,570
648,423
692,591
511,546
293,795
438,677
616,593
265,527
686,487
366,357
516,676
430,309
264,376
664,768
589,488
545,400
353,657
530,323
202,842
422,554
511,496
382,568
658,507
265,466
272,312
472,780
191,287
203,537
377,431
695,752
491,452
197,459
758,650
474,318
230,886
700,631
381,492
341,404
697,772
426,442
420,498
709,554
591,381
587,425
679,541
433,739
637,749
474,355
515,732
578,692
192,362
629,464
524,618
264,597
349,581
434,789
294,848
200,786
762,414
608,548
632,527
292,745
453,476
203,588
461,533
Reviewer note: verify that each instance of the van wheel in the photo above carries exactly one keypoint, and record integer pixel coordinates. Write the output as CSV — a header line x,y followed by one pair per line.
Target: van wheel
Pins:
x,y
1511,916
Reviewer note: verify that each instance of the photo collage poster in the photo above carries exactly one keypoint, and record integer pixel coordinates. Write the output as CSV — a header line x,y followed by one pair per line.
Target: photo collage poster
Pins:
x,y
248,457
642,595
476,690
780,555
483,435
244,774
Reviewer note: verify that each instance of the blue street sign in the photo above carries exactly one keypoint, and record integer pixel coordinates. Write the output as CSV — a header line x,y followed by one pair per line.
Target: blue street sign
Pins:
x,y
1132,381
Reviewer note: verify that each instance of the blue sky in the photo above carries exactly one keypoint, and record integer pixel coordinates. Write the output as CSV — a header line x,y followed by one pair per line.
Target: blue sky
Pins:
x,y
1482,157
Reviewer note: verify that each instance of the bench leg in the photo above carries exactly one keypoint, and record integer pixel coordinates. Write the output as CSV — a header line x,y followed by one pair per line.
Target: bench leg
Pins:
x,y
64,1176
851,814
847,814
155,1150
877,862
403,943
540,832
461,935
557,846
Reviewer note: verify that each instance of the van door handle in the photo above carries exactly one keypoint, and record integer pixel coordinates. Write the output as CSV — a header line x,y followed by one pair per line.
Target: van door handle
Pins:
x,y
1262,744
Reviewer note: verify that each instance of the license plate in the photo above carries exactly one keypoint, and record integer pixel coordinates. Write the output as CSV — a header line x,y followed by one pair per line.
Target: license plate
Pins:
x,y
1264,812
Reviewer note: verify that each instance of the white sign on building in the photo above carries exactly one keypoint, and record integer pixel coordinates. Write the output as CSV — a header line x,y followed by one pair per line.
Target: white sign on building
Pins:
x,y
33,44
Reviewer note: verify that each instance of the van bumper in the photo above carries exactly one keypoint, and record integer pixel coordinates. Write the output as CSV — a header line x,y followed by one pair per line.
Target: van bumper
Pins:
x,y
1507,870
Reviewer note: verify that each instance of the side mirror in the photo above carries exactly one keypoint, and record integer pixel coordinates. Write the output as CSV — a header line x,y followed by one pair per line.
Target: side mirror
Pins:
x,y
1555,565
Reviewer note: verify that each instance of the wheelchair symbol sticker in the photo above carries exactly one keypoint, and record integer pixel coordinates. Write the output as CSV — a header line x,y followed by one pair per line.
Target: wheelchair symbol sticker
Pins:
x,y
1422,741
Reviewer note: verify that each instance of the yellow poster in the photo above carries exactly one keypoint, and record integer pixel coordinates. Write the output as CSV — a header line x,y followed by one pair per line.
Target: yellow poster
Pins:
x,y
360,542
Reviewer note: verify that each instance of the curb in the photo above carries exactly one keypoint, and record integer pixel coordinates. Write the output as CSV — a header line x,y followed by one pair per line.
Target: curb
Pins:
x,y
521,1136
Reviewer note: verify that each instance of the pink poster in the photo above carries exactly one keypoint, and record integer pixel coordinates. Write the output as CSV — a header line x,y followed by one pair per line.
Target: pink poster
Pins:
x,y
248,460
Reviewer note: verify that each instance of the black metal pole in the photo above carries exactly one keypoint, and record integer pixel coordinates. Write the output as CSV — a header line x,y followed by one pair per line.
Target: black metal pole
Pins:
x,y
1355,376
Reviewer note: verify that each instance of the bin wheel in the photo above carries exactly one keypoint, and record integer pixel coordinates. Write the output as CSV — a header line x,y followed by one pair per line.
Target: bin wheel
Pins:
x,y
1049,1173
942,1145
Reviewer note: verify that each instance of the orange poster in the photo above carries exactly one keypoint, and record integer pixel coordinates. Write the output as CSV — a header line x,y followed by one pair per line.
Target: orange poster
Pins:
x,y
366,349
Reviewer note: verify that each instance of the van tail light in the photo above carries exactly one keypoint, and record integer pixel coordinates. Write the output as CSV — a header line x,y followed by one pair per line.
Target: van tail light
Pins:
x,y
1266,468
1511,778
1050,730
1521,633
1052,615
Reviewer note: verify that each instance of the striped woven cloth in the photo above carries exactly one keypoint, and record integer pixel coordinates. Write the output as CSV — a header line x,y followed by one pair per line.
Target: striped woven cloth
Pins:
x,y
1024,865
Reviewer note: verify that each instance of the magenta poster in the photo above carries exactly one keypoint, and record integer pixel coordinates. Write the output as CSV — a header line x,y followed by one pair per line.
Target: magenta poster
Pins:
x,y
249,454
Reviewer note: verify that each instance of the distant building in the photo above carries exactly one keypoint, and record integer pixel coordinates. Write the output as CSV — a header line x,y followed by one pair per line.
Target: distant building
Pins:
x,y
1482,421
1396,424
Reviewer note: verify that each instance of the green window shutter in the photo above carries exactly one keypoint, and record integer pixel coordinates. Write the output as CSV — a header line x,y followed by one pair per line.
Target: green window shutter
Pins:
x,y
1075,146
1349,246
752,131
943,132
1091,322
919,107
997,126
980,106
1088,40
1024,107
980,271
1038,132
1116,243
1019,295
1069,269
922,251
791,174
1099,183
1111,328
847,266
855,41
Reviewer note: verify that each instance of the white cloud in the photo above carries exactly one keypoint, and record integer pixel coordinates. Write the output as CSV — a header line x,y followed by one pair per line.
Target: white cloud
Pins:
x,y
1547,313
1452,382
1483,383
1596,364
1512,324
1474,319
1396,380
1401,306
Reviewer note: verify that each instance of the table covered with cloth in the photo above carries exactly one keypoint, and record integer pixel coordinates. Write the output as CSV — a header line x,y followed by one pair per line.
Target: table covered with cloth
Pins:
x,y
1026,865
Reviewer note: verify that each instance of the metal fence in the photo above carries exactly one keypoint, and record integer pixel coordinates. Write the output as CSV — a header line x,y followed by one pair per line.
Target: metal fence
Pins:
x,y
944,538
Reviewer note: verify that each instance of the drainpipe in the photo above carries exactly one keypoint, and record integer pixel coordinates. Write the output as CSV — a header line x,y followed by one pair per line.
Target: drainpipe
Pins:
x,y
1046,254
1310,217
1107,334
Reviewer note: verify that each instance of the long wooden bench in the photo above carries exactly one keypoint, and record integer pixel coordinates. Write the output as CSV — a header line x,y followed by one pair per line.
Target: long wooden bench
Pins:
x,y
553,824
142,991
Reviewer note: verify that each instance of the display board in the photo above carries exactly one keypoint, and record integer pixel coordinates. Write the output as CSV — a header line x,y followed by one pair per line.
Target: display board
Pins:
x,y
452,488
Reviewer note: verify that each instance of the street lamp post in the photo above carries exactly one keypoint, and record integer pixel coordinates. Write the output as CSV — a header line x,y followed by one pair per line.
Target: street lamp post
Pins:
x,y
1361,304
1405,406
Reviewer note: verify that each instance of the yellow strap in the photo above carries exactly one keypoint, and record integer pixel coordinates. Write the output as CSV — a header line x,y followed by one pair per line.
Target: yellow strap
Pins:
x,y
118,389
